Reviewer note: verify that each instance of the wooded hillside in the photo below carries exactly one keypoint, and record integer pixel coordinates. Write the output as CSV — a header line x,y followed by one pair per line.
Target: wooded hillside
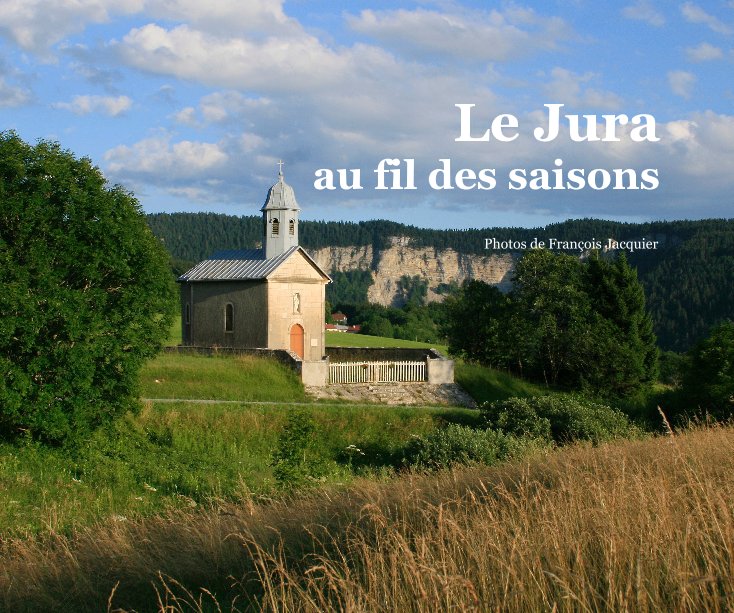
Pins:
x,y
688,279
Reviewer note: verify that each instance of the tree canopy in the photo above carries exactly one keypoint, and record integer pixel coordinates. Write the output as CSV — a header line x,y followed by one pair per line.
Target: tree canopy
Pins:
x,y
86,293
566,322
708,383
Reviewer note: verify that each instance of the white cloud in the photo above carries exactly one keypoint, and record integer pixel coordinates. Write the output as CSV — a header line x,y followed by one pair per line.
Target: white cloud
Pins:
x,y
225,16
161,162
702,147
569,88
681,82
695,14
643,10
681,130
37,25
470,35
106,105
285,64
704,52
186,116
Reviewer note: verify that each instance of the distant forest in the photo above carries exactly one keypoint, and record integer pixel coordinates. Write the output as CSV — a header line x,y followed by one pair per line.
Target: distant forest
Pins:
x,y
688,280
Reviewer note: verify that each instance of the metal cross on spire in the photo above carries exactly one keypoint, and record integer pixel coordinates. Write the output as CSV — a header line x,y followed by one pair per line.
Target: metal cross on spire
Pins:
x,y
280,167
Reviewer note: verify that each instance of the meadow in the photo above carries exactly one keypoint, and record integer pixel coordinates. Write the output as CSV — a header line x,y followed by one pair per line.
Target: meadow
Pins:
x,y
178,454
641,525
179,508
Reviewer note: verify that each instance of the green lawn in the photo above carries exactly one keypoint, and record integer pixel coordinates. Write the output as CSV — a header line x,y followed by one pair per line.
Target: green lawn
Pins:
x,y
344,339
226,377
184,454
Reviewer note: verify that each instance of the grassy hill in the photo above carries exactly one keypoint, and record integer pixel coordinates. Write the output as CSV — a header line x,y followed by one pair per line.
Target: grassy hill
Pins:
x,y
604,528
177,453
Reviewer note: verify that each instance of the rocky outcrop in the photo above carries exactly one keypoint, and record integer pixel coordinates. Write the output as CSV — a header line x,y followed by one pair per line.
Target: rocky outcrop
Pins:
x,y
437,267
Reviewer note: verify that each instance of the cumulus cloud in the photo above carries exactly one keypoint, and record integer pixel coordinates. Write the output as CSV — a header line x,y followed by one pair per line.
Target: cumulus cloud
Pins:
x,y
160,161
282,91
106,105
287,64
468,34
570,88
37,25
695,14
701,147
704,53
643,10
681,82
225,16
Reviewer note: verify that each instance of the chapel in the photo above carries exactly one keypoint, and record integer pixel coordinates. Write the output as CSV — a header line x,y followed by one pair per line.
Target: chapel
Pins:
x,y
270,298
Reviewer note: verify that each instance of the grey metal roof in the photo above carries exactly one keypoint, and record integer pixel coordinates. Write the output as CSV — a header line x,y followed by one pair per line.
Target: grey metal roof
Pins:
x,y
241,265
281,196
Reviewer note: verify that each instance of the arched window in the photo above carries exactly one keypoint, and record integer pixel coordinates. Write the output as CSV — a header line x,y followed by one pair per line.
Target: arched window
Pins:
x,y
229,317
291,227
276,226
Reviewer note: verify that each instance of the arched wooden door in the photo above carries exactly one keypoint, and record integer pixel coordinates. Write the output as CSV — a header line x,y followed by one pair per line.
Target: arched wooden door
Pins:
x,y
297,340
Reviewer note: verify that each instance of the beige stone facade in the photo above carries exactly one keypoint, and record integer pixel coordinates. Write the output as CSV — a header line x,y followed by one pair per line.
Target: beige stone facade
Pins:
x,y
296,297
264,313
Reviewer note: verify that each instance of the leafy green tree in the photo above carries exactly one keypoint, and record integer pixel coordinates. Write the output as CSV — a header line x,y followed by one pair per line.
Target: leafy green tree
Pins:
x,y
377,325
709,383
474,324
566,322
551,314
87,294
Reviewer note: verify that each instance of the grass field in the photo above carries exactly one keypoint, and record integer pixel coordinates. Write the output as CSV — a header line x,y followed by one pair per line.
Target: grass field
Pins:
x,y
632,525
225,377
176,455
344,339
182,499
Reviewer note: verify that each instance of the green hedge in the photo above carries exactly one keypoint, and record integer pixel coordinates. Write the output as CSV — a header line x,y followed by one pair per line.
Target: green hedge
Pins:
x,y
560,418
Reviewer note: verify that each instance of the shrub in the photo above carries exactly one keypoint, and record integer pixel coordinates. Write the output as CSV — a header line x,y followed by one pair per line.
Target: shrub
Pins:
x,y
456,444
561,418
295,459
87,294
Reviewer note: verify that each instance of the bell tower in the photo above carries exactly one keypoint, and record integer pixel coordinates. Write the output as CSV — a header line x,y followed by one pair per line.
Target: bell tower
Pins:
x,y
280,218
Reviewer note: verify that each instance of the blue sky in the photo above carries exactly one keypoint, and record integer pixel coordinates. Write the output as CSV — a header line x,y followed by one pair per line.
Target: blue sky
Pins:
x,y
191,104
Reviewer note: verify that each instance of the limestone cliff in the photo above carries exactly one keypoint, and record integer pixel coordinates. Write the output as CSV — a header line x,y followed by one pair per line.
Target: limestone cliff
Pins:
x,y
400,258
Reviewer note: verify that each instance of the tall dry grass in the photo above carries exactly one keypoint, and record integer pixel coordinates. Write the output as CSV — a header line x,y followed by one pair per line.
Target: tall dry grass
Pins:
x,y
644,525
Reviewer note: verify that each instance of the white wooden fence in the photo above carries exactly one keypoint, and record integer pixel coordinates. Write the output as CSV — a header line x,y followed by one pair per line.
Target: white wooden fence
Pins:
x,y
376,372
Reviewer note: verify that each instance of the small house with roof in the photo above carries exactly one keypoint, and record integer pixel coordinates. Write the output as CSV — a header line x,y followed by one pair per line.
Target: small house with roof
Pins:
x,y
270,298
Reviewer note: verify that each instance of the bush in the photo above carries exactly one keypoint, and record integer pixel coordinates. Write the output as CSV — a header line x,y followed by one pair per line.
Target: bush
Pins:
x,y
456,444
561,418
87,294
295,459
